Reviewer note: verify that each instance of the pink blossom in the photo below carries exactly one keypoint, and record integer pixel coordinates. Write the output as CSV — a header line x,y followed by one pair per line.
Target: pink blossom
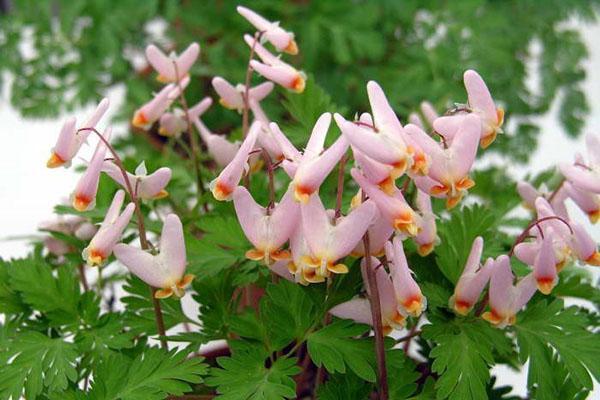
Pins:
x,y
271,31
172,68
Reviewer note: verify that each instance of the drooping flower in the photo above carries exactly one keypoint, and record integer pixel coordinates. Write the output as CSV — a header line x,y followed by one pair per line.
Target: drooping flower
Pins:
x,y
408,293
267,230
232,97
221,150
393,207
585,175
274,69
384,141
358,309
70,139
110,232
505,298
301,265
173,124
529,194
223,185
544,266
83,197
316,164
165,270
145,186
379,232
583,245
151,112
587,201
172,68
450,166
271,31
472,280
482,105
330,241
427,237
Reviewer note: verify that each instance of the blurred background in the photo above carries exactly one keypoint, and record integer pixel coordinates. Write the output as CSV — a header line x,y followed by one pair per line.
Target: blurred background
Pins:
x,y
541,61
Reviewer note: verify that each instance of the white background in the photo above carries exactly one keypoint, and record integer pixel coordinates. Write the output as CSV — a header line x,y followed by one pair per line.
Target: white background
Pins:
x,y
28,190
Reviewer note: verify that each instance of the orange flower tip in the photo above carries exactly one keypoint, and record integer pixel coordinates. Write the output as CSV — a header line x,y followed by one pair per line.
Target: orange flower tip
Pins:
x,y
311,276
292,267
298,84
398,319
500,116
255,254
399,168
594,216
387,185
163,79
453,201
338,268
221,192
406,226
291,48
594,259
356,200
302,194
488,139
95,258
425,249
386,330
420,165
225,104
462,307
492,317
561,265
139,120
310,261
185,281
160,195
163,132
279,255
163,293
465,183
545,285
81,203
414,306
439,190
55,161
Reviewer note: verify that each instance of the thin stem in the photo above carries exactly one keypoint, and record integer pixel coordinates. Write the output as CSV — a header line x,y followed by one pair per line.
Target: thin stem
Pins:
x,y
413,333
99,282
246,94
371,283
144,243
340,188
83,278
535,223
555,192
410,335
193,140
269,167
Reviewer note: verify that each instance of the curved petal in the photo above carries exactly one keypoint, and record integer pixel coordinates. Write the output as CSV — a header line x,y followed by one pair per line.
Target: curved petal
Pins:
x,y
249,214
142,264
479,95
172,246
350,230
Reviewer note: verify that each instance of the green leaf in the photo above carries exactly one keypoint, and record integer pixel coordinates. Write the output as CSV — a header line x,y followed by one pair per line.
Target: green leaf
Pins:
x,y
463,355
39,363
154,374
345,386
402,375
245,376
10,300
335,348
546,328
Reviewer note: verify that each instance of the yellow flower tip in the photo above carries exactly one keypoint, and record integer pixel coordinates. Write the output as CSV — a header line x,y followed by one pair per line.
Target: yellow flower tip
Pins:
x,y
420,166
55,161
225,104
398,319
337,268
406,224
465,183
425,249
298,84
302,194
185,281
163,132
221,192
95,258
488,139
81,203
163,79
255,255
292,267
500,116
439,190
414,306
311,276
387,186
545,285
492,317
279,255
161,195
461,307
163,293
291,48
452,201
399,168
594,216
561,265
356,200
387,330
594,259
310,261
139,120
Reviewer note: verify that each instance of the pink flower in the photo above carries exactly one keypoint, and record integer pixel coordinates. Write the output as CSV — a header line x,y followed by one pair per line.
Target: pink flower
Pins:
x,y
585,175
83,197
472,280
427,237
482,105
450,167
271,31
231,97
379,232
146,187
173,124
544,266
172,68
507,299
70,140
110,232
429,112
301,265
529,194
587,201
408,293
267,230
583,245
393,316
330,241
165,270
223,185
150,112
221,150
316,164
274,69
393,207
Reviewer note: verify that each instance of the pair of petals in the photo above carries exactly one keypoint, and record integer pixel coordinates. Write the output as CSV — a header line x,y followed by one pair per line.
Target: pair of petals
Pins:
x,y
146,187
165,270
173,124
151,112
232,97
271,31
172,68
585,175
